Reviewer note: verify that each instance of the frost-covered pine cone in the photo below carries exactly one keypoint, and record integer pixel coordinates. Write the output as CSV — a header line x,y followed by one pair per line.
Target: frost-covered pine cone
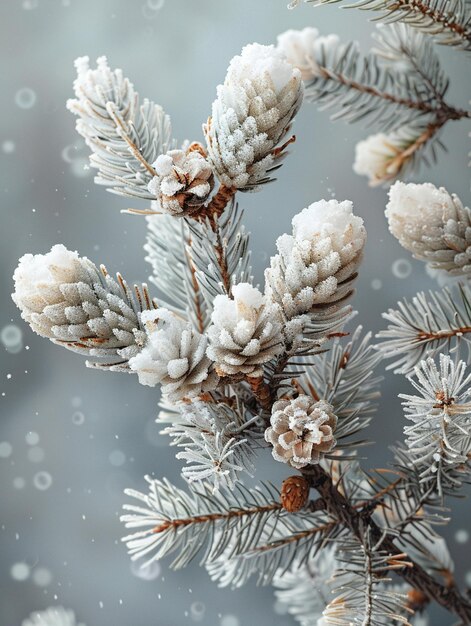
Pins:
x,y
304,49
432,224
67,299
245,332
382,158
252,113
184,180
316,265
53,616
174,356
301,430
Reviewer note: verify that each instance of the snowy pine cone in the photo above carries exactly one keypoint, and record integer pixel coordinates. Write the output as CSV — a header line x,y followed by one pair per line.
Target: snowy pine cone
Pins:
x,y
301,430
184,181
67,299
305,49
245,332
252,113
174,356
432,224
53,616
382,158
316,265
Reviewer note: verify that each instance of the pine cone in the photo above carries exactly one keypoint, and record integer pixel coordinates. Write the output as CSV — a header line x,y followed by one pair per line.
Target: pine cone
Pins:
x,y
245,332
66,298
252,113
301,431
382,158
305,50
174,356
317,264
432,224
184,181
294,493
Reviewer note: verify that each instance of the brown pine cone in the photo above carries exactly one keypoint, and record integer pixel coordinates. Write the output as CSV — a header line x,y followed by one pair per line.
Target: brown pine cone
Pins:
x,y
294,493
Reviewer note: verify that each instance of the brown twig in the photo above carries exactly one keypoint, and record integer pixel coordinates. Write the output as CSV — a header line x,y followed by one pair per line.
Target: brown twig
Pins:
x,y
216,206
196,290
261,391
212,517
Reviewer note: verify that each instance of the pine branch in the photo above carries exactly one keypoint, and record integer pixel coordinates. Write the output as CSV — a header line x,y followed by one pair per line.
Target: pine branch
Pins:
x,y
369,88
344,377
448,22
399,87
363,595
425,326
339,508
213,525
305,589
218,441
438,435
125,137
169,250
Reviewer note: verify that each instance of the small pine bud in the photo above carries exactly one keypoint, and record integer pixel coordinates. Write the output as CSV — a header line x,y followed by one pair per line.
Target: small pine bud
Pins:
x,y
294,493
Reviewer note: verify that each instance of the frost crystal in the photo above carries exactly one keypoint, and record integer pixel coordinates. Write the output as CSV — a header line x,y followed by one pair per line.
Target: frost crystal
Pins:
x,y
174,356
301,430
66,298
245,332
432,224
183,182
254,107
317,263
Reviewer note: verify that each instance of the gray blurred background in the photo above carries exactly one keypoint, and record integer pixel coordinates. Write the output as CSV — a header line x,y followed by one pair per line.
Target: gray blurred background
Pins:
x,y
72,439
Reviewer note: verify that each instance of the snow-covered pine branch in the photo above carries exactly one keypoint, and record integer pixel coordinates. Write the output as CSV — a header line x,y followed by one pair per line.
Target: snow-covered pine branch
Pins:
x,y
198,523
304,590
373,88
363,595
219,253
125,137
438,435
448,22
344,376
67,299
398,87
439,321
168,246
218,440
